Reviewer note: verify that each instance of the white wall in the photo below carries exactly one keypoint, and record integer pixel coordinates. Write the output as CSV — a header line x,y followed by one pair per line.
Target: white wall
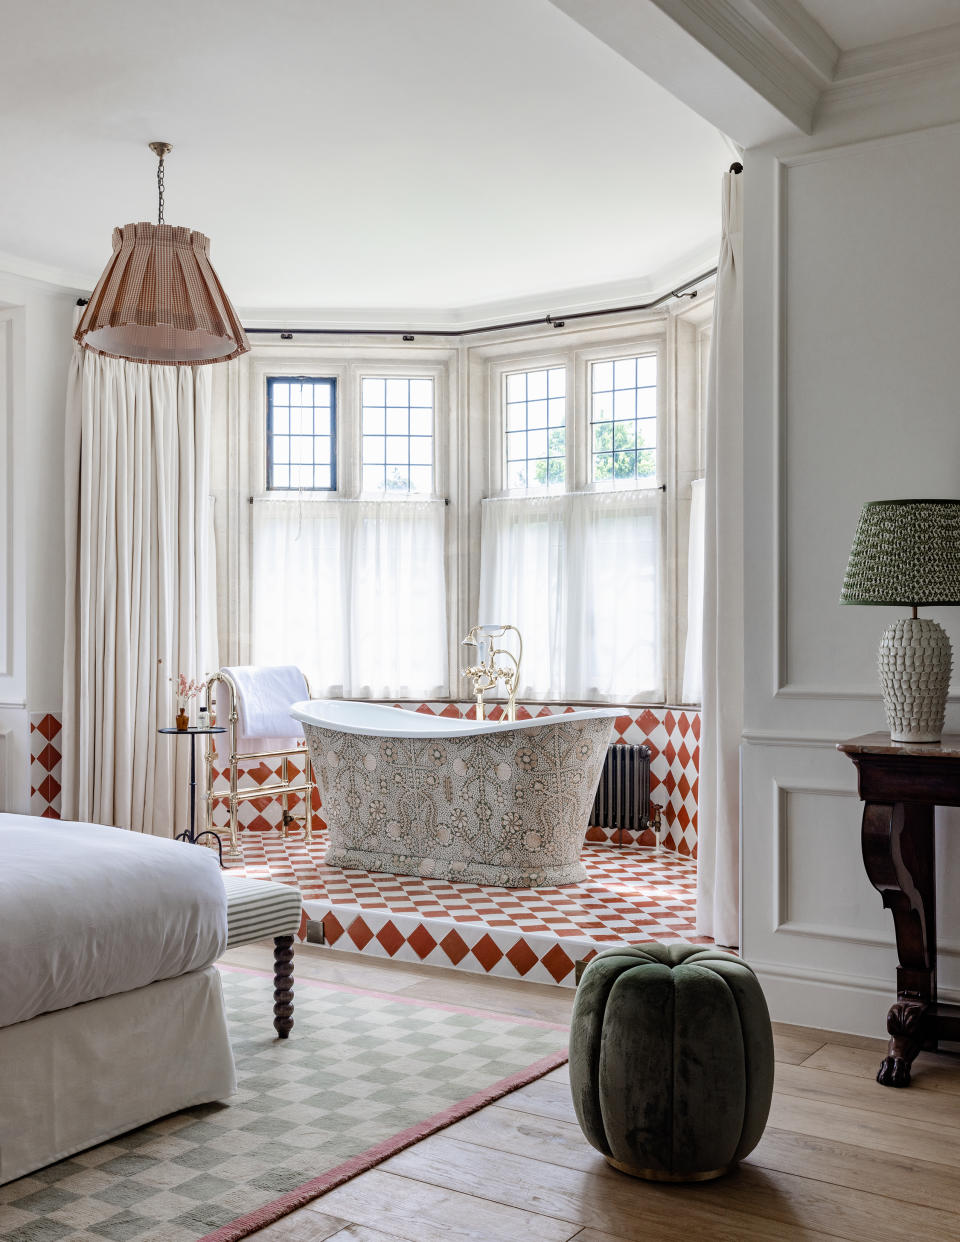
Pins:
x,y
852,292
36,323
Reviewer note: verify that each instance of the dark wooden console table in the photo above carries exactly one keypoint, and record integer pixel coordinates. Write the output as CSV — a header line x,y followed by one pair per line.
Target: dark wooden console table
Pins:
x,y
900,784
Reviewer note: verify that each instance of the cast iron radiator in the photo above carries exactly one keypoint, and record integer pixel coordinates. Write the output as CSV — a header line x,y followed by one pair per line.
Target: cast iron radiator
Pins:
x,y
623,795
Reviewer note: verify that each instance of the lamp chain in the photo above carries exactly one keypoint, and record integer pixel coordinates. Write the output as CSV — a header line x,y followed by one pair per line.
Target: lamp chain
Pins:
x,y
160,190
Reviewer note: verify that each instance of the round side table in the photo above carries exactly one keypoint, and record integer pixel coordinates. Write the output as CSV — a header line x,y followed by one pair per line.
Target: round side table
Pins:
x,y
191,833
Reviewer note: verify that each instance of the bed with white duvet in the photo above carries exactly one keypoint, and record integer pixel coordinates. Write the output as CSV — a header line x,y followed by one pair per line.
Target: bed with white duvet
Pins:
x,y
111,1011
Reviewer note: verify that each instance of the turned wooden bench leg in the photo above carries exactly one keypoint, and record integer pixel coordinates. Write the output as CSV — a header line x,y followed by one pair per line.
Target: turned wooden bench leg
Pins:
x,y
283,985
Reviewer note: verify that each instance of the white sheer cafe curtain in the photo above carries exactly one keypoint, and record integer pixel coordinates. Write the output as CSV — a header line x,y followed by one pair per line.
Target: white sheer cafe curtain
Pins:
x,y
140,586
354,593
578,575
718,819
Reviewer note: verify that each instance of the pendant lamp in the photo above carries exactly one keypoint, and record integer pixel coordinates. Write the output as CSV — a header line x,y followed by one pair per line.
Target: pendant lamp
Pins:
x,y
159,299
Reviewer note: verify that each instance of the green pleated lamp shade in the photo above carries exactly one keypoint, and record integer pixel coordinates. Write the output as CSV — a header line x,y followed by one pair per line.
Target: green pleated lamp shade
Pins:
x,y
905,552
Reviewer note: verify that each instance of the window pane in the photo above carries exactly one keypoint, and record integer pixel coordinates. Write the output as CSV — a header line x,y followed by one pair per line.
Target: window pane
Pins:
x,y
646,403
398,417
421,422
372,478
601,374
398,421
625,373
517,387
301,449
647,371
517,474
421,479
536,385
537,444
537,414
421,450
534,419
397,449
516,446
602,407
301,433
516,417
373,421
625,403
374,449
301,420
624,435
602,437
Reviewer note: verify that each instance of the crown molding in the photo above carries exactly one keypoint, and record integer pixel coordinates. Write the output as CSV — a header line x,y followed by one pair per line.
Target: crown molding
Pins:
x,y
556,303
45,274
898,57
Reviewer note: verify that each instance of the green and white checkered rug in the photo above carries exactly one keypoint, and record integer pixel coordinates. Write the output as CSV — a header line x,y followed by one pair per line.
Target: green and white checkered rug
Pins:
x,y
358,1069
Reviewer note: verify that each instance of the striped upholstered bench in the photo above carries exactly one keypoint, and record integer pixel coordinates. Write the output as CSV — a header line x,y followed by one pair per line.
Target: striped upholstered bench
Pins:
x,y
256,910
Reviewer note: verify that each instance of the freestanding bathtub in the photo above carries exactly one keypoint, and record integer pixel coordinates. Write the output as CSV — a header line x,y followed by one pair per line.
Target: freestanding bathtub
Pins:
x,y
486,802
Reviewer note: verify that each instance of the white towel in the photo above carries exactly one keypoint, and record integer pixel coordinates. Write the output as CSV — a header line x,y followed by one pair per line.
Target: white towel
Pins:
x,y
264,698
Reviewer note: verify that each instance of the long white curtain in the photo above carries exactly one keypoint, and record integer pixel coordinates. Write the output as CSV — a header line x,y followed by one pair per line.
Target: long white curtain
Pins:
x,y
139,584
693,651
718,833
354,593
578,574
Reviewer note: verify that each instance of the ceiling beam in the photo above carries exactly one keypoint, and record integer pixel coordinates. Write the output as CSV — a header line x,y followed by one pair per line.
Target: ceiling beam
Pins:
x,y
755,69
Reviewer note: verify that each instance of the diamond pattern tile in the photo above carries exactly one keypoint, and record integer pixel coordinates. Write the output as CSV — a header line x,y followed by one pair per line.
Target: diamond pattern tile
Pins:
x,y
633,895
46,760
672,734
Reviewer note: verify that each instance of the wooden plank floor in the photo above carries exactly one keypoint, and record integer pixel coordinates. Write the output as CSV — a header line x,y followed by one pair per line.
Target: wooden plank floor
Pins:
x,y
842,1157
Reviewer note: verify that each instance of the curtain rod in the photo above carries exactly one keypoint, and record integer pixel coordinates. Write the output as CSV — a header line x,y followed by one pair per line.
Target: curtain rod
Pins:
x,y
686,290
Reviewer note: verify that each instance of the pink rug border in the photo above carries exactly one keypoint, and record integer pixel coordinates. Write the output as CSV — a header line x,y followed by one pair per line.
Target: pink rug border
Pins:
x,y
271,1212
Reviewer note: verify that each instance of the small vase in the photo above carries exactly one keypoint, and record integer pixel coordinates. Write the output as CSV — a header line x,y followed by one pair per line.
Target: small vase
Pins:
x,y
183,721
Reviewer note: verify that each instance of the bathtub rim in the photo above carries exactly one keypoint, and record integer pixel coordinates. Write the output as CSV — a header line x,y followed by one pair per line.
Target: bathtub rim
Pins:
x,y
446,726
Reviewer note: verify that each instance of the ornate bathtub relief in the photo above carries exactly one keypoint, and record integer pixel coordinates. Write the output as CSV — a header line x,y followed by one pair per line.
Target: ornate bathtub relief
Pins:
x,y
504,806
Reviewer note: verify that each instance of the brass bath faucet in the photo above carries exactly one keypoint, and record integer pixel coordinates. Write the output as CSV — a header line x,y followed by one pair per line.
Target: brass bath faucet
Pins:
x,y
487,672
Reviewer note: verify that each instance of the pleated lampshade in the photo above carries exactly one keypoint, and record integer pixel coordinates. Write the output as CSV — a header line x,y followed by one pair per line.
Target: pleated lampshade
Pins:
x,y
159,300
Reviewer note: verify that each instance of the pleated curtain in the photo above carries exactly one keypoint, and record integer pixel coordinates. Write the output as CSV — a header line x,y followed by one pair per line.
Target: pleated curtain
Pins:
x,y
718,818
140,585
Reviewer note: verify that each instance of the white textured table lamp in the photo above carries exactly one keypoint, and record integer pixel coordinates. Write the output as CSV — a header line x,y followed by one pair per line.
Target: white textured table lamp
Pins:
x,y
908,552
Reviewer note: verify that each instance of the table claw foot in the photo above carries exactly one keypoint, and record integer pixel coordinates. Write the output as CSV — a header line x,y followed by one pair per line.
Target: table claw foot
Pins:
x,y
905,1022
894,1072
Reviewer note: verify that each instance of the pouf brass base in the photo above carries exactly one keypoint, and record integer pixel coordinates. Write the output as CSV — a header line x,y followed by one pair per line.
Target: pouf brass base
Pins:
x,y
658,1175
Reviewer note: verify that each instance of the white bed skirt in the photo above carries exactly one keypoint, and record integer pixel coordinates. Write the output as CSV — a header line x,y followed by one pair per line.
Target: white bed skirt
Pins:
x,y
77,1077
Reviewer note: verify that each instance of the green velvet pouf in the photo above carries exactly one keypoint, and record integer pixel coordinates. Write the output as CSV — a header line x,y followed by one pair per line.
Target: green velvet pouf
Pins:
x,y
671,1060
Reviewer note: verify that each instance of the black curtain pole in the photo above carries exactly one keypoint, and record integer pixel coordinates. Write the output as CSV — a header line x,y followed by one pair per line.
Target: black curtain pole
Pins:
x,y
686,290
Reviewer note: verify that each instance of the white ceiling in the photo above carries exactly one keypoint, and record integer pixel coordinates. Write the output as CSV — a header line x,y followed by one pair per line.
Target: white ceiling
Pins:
x,y
856,23
346,154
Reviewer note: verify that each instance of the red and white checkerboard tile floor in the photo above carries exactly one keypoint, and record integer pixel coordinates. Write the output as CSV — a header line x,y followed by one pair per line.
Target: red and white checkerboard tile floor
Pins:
x,y
631,895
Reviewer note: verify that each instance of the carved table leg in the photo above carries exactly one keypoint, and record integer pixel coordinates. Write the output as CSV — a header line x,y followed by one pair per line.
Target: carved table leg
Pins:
x,y
898,853
283,985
